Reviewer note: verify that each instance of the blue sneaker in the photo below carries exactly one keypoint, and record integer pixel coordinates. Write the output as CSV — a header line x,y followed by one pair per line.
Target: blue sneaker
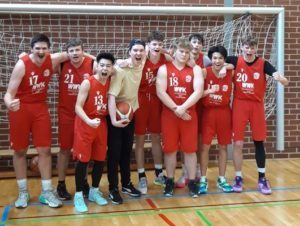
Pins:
x,y
203,186
96,196
224,186
79,203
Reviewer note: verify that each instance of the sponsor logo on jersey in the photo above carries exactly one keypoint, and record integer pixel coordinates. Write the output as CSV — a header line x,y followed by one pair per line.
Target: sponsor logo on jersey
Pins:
x,y
46,73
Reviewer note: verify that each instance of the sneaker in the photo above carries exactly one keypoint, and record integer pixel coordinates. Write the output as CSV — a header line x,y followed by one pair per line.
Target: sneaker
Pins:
x,y
224,186
169,188
160,179
131,190
238,184
48,197
79,203
86,189
62,192
23,199
193,188
203,186
264,186
143,185
115,197
182,182
96,196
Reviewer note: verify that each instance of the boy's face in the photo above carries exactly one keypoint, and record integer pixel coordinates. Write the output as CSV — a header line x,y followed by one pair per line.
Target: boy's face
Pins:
x,y
40,49
104,68
249,52
155,47
217,61
137,53
75,54
197,45
182,55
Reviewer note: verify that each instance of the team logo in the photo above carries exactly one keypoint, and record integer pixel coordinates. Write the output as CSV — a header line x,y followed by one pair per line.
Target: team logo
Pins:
x,y
225,88
256,75
188,78
86,75
46,73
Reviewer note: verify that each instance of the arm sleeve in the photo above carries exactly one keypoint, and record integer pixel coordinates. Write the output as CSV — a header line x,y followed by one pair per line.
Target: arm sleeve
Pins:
x,y
116,83
232,60
269,69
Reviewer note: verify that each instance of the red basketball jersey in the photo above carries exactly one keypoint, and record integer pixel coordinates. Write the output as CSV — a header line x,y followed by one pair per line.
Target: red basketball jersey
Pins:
x,y
96,103
250,81
199,61
69,83
34,85
180,83
221,97
149,75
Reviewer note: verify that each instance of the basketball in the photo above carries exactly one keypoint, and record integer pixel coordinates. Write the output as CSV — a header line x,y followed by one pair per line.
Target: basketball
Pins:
x,y
124,111
34,165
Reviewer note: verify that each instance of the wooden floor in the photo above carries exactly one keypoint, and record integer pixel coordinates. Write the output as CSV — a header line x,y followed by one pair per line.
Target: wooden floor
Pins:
x,y
214,208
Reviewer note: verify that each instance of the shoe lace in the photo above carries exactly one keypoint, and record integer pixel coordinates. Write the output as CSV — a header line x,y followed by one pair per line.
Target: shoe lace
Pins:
x,y
265,183
23,195
50,196
143,182
79,201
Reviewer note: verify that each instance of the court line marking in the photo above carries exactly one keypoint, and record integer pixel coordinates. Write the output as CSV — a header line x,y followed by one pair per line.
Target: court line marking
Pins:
x,y
5,214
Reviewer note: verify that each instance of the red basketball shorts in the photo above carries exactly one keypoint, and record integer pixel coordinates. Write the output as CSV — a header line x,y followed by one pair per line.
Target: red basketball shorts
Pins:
x,y
65,130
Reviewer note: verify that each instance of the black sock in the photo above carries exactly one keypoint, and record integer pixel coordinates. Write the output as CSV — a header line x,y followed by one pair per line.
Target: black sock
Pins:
x,y
261,175
158,171
61,182
142,175
97,173
80,172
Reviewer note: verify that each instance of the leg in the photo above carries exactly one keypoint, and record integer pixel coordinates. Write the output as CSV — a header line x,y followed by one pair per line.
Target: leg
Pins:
x,y
204,159
190,161
237,162
139,157
80,171
63,157
158,159
170,163
221,182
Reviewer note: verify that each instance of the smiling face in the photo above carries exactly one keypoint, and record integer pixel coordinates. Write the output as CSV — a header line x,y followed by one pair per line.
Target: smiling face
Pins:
x,y
217,61
196,45
155,47
249,52
39,50
104,68
137,53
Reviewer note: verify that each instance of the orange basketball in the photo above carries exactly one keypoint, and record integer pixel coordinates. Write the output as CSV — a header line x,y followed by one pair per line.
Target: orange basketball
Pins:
x,y
124,111
34,164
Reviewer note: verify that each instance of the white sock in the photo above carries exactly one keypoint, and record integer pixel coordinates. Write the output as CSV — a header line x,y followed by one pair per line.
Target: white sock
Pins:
x,y
158,166
222,178
22,184
141,170
203,178
46,185
261,170
238,173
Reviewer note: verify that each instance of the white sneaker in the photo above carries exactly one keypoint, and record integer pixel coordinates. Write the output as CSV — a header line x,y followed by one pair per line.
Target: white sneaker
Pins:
x,y
79,203
48,197
23,199
96,196
143,185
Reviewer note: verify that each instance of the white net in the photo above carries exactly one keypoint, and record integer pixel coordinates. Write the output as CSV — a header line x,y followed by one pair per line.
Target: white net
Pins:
x,y
112,33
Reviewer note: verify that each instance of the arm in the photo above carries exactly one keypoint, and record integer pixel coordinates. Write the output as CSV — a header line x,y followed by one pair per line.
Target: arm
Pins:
x,y
161,88
198,83
269,69
81,99
208,91
112,109
16,78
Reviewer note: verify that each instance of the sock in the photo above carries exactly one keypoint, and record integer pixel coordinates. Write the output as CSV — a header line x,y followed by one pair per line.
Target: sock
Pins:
x,y
238,173
46,185
61,182
261,172
141,172
222,179
203,179
158,169
22,184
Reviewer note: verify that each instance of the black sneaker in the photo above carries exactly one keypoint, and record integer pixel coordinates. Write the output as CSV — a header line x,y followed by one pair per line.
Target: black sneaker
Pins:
x,y
62,192
169,188
115,197
131,190
86,189
193,188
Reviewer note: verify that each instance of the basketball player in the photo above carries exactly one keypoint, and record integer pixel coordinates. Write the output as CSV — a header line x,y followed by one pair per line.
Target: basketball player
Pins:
x,y
248,105
124,87
147,117
179,87
197,58
25,99
72,73
90,133
216,116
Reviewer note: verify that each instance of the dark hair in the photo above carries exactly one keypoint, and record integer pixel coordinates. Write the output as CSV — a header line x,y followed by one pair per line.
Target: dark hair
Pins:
x,y
74,42
40,37
197,36
136,41
107,56
249,40
217,49
155,35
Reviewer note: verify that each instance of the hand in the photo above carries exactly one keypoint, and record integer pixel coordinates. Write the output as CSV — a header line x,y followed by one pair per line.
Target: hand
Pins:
x,y
14,105
179,111
186,116
191,63
120,123
22,54
124,63
222,72
213,89
94,123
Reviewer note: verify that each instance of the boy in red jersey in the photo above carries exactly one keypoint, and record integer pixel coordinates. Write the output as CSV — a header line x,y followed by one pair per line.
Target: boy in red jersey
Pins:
x,y
248,105
197,58
90,132
179,87
25,99
147,117
216,103
72,73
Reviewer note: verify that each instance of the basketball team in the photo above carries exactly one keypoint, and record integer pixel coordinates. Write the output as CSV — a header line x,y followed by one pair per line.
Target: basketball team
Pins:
x,y
182,98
